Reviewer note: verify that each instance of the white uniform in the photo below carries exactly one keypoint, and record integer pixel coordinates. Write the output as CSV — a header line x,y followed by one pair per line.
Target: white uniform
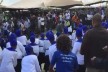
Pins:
x,y
47,44
9,61
22,39
52,49
41,46
73,38
20,49
35,49
30,64
76,50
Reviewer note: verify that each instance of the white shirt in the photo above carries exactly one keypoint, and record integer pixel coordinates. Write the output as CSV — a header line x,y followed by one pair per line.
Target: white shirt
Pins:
x,y
67,15
9,61
89,17
73,38
52,49
76,50
47,45
42,21
26,24
41,46
20,49
5,25
70,29
61,17
30,64
36,49
22,39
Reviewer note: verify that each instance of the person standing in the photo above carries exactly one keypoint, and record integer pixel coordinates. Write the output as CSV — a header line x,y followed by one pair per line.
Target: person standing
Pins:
x,y
30,62
42,23
76,51
9,58
64,59
93,42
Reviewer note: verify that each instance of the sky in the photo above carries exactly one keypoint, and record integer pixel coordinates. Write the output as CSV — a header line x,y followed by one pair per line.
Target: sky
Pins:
x,y
9,2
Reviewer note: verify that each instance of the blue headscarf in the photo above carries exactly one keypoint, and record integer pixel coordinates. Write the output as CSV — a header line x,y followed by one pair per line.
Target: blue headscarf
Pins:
x,y
29,50
32,39
12,36
13,42
50,36
32,34
42,36
18,32
79,32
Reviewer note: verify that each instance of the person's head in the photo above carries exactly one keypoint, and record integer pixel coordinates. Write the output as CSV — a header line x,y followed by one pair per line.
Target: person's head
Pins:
x,y
42,35
32,39
18,32
64,43
97,20
50,36
12,36
29,50
13,43
78,33
32,34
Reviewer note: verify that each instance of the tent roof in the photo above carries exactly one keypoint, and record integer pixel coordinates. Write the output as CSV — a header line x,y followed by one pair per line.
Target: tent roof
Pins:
x,y
60,3
90,2
26,4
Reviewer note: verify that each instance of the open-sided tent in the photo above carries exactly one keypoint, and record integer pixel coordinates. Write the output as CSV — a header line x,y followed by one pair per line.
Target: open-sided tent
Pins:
x,y
62,3
26,4
90,2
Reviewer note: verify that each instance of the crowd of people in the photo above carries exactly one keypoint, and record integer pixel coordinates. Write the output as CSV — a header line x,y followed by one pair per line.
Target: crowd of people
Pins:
x,y
62,42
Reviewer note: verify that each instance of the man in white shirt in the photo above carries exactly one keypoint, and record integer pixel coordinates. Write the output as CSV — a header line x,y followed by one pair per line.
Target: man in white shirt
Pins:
x,y
67,16
42,23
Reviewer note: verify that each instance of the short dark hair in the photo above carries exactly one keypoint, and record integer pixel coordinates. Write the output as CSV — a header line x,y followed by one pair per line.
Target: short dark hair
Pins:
x,y
97,19
64,43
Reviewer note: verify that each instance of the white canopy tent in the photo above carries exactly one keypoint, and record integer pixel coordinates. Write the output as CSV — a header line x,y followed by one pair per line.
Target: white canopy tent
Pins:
x,y
100,5
60,3
87,2
26,4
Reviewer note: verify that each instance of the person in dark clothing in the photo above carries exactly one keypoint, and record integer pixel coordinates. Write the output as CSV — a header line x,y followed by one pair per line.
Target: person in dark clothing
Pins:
x,y
100,62
33,23
93,42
